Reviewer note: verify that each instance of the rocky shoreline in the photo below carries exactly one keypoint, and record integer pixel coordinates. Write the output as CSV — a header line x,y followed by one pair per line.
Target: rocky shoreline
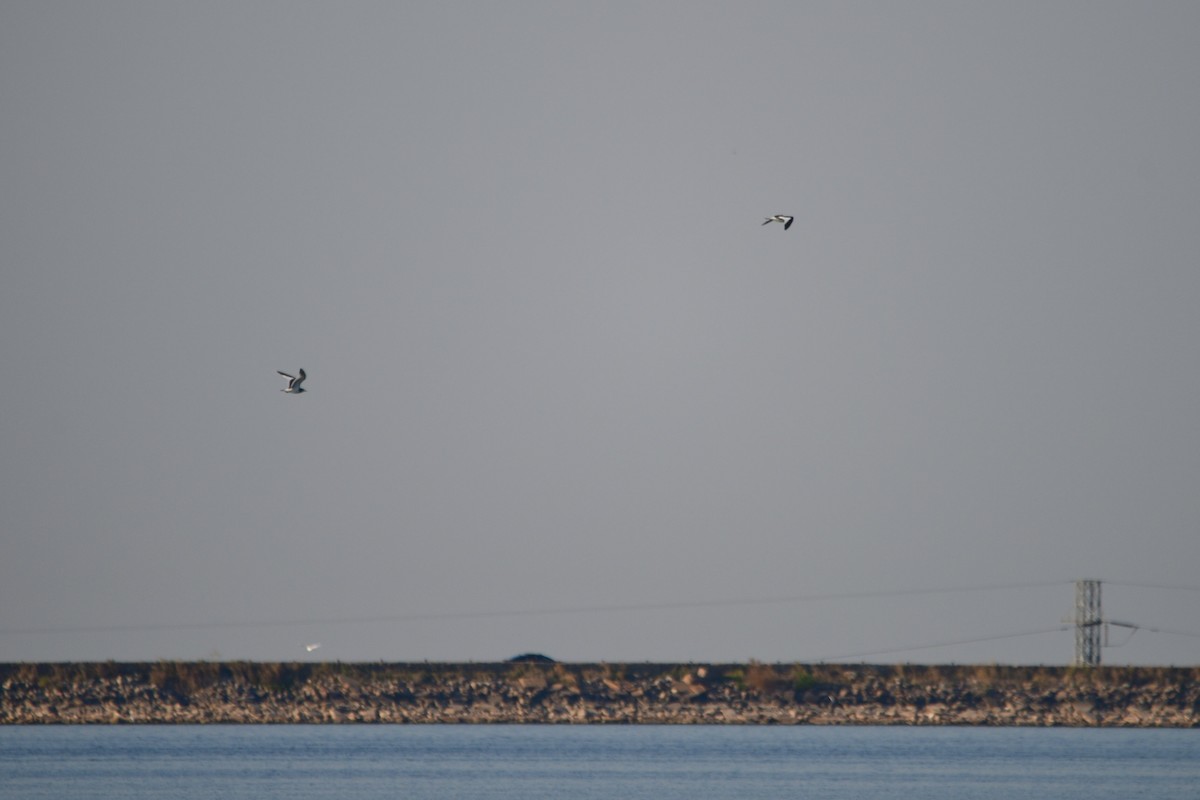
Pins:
x,y
540,692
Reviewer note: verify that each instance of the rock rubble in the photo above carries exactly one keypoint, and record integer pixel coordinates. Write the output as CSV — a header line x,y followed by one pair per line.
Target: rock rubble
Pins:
x,y
748,694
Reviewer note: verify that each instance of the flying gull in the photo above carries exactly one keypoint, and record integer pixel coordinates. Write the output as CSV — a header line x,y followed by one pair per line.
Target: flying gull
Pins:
x,y
294,382
311,647
784,218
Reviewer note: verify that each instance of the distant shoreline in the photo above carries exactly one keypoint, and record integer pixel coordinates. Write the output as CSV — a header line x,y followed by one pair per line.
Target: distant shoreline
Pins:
x,y
171,692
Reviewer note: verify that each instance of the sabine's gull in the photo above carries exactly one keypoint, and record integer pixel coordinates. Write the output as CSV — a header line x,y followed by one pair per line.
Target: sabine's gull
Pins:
x,y
784,218
294,382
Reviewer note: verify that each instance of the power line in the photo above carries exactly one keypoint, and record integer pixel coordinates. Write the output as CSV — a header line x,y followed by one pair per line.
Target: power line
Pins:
x,y
1170,631
1169,586
865,653
529,612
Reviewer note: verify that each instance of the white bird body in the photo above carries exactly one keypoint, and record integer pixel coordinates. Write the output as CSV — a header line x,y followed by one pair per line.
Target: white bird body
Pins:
x,y
311,647
294,382
784,218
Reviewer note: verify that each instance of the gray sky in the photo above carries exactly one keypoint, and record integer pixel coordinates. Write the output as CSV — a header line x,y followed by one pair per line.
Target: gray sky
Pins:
x,y
555,362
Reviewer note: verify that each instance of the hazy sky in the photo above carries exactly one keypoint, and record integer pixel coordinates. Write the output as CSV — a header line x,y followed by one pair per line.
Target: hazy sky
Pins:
x,y
566,394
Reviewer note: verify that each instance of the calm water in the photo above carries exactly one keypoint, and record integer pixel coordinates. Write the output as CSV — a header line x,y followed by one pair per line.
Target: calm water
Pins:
x,y
628,762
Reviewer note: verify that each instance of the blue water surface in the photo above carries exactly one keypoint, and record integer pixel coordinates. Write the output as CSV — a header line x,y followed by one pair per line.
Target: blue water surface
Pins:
x,y
628,762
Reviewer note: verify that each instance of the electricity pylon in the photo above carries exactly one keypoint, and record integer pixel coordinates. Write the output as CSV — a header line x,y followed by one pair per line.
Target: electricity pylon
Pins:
x,y
1087,623
1088,620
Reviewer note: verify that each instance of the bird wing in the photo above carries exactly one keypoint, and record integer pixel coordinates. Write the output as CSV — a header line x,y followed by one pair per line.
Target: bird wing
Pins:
x,y
788,224
284,374
769,220
300,379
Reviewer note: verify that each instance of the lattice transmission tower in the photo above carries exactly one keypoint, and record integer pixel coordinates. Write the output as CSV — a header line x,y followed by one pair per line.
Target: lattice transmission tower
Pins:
x,y
1087,623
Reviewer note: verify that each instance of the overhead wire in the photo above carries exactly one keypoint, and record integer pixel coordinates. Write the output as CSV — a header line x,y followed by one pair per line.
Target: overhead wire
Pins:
x,y
1168,586
435,616
932,646
528,612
